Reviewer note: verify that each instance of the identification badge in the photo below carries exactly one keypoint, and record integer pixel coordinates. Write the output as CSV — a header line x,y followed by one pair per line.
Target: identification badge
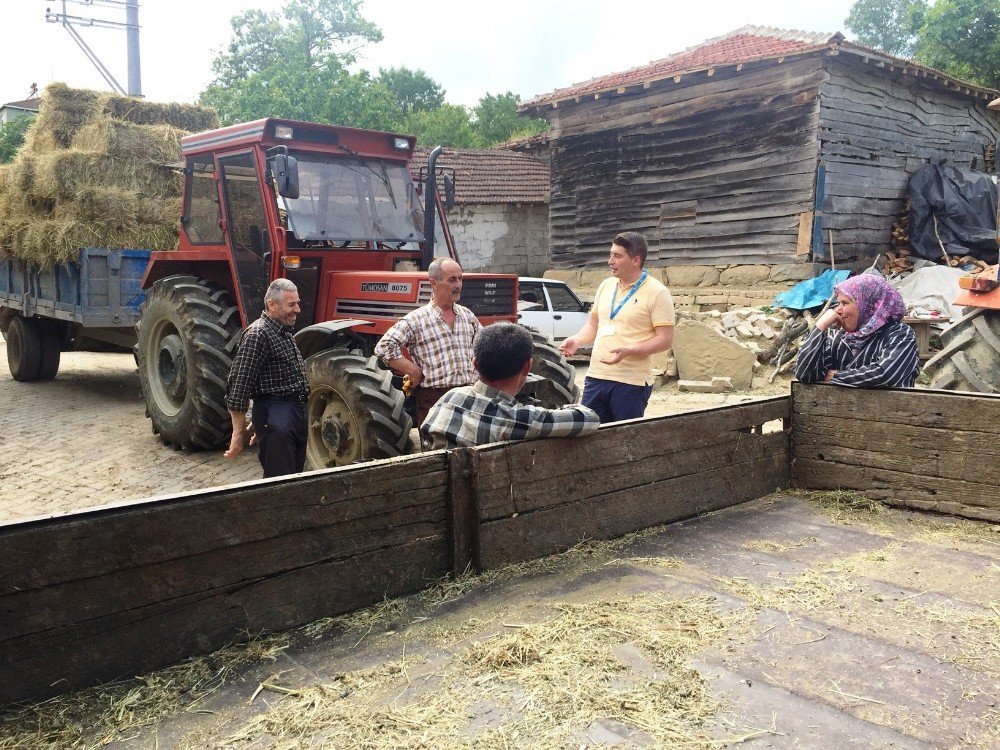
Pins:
x,y
608,329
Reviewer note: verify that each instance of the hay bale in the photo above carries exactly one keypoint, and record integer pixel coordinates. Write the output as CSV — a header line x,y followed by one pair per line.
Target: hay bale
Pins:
x,y
94,203
19,177
51,241
63,175
61,113
155,144
190,117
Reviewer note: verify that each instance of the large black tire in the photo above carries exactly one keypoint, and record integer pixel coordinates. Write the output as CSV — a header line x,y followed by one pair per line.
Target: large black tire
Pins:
x,y
354,413
560,386
188,332
50,338
970,359
24,349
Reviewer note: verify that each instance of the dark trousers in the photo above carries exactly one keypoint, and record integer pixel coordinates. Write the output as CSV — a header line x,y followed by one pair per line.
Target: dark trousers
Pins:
x,y
281,432
425,399
614,401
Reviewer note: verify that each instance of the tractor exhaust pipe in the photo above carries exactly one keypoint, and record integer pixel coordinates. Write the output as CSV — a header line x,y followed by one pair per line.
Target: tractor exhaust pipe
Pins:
x,y
430,208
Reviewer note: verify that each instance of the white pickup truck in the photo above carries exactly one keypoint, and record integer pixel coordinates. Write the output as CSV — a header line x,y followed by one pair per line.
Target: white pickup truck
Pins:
x,y
550,307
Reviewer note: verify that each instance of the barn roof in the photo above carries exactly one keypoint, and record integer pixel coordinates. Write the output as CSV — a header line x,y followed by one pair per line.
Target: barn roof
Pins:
x,y
28,104
744,45
491,175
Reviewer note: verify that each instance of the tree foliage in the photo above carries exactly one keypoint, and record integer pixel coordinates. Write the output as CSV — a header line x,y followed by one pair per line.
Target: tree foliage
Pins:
x,y
414,90
447,125
958,37
497,120
12,136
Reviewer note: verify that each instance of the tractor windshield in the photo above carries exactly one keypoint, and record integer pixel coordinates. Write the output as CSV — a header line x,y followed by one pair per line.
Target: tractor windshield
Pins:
x,y
344,199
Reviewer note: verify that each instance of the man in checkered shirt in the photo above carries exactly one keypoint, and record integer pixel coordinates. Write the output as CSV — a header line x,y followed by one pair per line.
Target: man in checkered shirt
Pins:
x,y
268,368
438,337
488,411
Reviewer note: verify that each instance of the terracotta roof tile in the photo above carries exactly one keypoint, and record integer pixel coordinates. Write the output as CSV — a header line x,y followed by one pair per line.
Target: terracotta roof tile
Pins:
x,y
31,104
491,175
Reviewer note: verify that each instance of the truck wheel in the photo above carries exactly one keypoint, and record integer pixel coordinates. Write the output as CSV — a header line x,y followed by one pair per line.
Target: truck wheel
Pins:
x,y
50,339
560,386
24,349
187,336
970,359
354,413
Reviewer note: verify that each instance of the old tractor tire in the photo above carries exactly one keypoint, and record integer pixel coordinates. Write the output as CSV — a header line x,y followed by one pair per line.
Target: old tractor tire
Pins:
x,y
970,359
187,336
24,349
50,338
354,413
560,386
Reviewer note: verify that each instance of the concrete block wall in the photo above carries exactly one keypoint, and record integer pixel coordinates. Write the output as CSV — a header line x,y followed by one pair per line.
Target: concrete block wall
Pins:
x,y
502,238
702,288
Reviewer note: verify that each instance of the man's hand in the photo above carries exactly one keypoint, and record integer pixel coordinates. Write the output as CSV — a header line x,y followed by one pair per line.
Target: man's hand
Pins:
x,y
569,347
618,355
416,377
241,428
236,443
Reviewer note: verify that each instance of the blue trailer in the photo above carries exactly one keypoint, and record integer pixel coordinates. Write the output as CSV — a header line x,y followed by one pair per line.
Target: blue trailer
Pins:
x,y
47,310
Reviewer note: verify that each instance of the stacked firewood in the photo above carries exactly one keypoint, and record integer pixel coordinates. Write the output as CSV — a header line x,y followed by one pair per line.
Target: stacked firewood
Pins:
x,y
901,255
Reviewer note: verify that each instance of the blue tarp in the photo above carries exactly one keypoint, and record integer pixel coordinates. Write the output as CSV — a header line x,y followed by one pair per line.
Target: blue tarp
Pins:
x,y
811,292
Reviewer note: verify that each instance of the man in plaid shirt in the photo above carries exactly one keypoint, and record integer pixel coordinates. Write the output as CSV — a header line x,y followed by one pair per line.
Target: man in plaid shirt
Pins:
x,y
268,368
438,337
487,411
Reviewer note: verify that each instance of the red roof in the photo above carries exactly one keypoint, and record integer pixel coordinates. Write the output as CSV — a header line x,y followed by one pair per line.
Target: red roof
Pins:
x,y
491,175
743,45
30,104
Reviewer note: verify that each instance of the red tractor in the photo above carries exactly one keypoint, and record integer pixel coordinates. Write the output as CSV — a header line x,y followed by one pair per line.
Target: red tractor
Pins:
x,y
336,211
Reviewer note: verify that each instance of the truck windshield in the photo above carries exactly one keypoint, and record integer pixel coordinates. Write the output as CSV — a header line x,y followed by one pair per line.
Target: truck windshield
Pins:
x,y
344,199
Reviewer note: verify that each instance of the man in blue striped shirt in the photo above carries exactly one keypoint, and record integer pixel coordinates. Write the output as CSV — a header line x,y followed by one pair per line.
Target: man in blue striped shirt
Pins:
x,y
488,410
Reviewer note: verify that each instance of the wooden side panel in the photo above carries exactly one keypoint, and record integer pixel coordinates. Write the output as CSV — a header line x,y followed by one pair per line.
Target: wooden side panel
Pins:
x,y
545,496
875,129
932,450
117,591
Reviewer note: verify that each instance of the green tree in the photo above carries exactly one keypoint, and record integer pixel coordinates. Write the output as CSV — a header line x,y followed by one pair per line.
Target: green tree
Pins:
x,y
962,37
447,125
496,120
293,63
414,90
888,25
12,136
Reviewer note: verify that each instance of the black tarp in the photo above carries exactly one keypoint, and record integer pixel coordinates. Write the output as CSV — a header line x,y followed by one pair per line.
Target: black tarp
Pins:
x,y
965,206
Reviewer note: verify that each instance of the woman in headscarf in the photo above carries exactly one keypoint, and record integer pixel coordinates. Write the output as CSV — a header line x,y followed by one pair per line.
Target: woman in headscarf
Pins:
x,y
861,342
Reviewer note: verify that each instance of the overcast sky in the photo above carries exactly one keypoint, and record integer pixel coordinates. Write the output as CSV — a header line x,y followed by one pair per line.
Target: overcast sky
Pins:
x,y
469,47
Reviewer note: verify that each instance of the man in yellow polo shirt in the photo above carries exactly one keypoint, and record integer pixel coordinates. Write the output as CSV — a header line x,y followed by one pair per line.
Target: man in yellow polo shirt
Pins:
x,y
631,320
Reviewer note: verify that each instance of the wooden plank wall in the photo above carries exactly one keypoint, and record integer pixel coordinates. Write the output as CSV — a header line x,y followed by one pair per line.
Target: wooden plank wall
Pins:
x,y
877,127
115,592
931,450
714,168
118,591
544,496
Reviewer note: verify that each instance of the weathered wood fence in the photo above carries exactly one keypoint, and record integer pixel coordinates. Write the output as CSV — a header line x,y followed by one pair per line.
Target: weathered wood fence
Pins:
x,y
120,590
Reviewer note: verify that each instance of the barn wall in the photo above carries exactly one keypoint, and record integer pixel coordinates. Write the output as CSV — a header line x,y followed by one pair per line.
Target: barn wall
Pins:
x,y
876,127
502,237
713,169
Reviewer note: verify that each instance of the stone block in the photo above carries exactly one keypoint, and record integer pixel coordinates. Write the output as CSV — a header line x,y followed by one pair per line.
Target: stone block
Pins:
x,y
691,276
702,353
715,385
793,272
745,276
712,299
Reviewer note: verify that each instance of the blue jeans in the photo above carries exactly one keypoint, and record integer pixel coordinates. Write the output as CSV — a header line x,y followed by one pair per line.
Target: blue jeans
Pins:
x,y
281,432
614,401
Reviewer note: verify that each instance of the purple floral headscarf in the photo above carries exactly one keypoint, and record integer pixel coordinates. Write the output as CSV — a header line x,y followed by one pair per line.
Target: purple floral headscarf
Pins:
x,y
878,303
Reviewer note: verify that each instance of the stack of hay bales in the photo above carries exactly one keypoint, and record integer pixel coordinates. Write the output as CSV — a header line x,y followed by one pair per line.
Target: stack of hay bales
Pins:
x,y
91,174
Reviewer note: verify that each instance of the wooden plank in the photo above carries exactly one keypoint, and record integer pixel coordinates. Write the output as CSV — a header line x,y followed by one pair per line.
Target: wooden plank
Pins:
x,y
463,510
803,245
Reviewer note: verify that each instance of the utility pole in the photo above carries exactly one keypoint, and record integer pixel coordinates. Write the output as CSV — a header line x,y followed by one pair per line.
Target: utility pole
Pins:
x,y
131,26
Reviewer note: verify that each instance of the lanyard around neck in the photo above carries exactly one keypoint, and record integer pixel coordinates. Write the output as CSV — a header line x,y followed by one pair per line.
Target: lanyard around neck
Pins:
x,y
636,285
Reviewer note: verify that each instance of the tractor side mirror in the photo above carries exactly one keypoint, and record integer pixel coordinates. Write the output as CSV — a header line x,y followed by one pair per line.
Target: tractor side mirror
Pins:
x,y
449,191
285,171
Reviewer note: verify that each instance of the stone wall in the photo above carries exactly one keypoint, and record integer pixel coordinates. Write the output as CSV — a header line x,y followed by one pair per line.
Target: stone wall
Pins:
x,y
702,288
502,237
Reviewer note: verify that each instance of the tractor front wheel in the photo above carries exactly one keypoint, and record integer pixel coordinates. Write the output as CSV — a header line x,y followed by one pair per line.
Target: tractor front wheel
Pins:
x,y
560,386
354,413
187,334
970,359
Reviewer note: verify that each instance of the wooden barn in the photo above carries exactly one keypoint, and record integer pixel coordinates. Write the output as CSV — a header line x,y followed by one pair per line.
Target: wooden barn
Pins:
x,y
761,146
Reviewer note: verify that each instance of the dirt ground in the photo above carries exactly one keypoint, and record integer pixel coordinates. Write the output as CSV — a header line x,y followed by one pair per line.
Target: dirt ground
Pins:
x,y
792,621
83,440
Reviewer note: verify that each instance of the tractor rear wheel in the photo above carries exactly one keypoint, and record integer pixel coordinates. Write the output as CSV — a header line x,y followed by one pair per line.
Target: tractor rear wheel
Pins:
x,y
24,349
970,359
187,331
560,386
354,413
